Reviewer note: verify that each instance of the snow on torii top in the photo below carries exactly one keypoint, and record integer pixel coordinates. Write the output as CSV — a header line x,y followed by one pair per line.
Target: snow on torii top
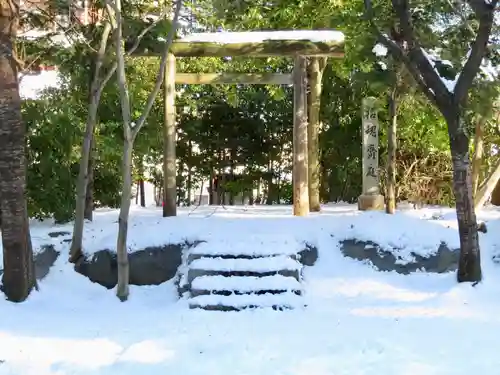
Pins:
x,y
229,37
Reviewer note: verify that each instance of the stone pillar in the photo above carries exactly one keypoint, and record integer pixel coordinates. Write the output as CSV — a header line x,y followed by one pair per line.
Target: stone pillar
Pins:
x,y
370,199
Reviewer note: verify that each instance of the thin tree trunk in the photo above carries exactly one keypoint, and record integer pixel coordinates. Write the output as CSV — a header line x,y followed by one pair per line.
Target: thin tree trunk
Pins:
x,y
201,192
18,277
211,186
220,179
231,171
189,186
83,176
130,133
270,186
89,195
97,86
140,185
122,287
469,266
142,193
391,153
478,153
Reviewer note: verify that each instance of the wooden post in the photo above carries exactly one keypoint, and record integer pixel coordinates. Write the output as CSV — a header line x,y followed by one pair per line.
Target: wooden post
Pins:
x,y
169,141
316,68
234,78
300,177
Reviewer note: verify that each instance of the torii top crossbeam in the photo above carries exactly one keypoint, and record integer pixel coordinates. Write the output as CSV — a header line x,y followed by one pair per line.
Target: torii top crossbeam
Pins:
x,y
328,43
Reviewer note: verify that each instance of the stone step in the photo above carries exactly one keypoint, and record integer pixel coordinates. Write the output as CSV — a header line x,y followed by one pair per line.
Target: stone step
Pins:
x,y
224,285
249,249
203,292
270,263
236,302
255,267
194,273
193,257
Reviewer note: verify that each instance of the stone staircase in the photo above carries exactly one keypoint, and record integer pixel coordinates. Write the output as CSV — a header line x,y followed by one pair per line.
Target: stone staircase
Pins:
x,y
232,277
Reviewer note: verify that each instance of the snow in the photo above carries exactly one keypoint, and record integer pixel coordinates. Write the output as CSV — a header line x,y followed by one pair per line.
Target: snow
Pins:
x,y
226,37
269,264
246,284
382,65
487,69
265,300
350,320
252,245
379,50
433,59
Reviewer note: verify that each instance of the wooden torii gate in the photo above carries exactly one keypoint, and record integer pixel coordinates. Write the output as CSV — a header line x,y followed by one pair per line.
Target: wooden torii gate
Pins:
x,y
298,44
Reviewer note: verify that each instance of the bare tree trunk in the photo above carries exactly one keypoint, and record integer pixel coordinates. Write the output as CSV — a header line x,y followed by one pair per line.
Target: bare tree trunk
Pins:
x,y
97,86
189,186
89,196
316,69
478,153
231,171
469,266
142,192
270,185
122,287
140,185
18,277
130,132
83,177
391,153
211,186
220,179
201,192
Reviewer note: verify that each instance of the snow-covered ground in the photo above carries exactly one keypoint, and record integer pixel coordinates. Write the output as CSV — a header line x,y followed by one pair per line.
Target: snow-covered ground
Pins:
x,y
358,321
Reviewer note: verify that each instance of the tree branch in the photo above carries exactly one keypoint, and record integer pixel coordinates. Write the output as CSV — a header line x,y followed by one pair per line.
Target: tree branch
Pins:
x,y
461,15
416,54
399,54
65,30
115,14
161,72
480,7
132,49
96,87
485,13
102,49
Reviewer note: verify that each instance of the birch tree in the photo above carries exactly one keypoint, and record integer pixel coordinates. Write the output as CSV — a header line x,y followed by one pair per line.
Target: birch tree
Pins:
x,y
99,81
130,131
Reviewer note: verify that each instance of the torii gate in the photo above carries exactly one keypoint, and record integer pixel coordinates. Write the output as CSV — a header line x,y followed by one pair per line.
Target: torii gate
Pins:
x,y
298,44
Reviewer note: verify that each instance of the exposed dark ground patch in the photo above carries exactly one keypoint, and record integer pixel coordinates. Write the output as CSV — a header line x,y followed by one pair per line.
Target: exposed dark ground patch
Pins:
x,y
444,260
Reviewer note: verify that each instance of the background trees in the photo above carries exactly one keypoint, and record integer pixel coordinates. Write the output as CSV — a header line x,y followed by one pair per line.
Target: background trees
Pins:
x,y
225,127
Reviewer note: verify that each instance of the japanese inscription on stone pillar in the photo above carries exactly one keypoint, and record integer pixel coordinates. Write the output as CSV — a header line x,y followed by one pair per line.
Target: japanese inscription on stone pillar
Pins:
x,y
370,146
